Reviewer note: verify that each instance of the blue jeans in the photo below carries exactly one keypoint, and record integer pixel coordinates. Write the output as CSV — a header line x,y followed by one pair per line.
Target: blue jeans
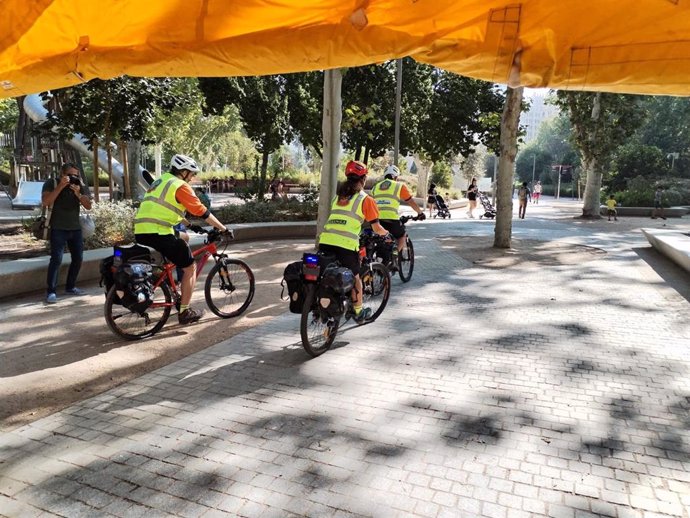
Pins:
x,y
58,239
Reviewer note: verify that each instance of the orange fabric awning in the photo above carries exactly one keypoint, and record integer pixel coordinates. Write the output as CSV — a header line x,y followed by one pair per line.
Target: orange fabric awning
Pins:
x,y
636,46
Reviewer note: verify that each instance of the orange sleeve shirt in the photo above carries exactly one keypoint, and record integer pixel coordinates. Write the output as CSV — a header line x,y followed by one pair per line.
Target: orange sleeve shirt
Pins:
x,y
370,210
185,195
405,193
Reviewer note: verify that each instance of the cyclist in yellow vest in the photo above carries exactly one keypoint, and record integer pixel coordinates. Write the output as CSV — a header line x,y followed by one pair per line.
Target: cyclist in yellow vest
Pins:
x,y
388,194
340,237
163,207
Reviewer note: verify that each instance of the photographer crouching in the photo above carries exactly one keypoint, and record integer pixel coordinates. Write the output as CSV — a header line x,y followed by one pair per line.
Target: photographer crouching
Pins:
x,y
65,195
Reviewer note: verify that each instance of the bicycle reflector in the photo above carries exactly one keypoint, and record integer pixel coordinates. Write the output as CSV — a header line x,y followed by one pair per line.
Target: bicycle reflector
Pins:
x,y
310,267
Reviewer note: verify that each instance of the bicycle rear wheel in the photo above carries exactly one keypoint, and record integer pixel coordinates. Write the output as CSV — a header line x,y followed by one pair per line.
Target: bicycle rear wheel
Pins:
x,y
229,287
317,331
135,326
376,288
406,261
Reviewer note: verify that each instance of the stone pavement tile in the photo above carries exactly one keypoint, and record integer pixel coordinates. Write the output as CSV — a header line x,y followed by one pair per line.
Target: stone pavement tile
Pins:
x,y
510,404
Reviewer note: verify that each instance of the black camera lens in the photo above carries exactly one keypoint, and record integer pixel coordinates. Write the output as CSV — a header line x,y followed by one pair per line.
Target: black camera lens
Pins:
x,y
74,180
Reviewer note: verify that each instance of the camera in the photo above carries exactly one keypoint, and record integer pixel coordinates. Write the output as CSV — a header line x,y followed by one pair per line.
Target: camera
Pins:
x,y
74,180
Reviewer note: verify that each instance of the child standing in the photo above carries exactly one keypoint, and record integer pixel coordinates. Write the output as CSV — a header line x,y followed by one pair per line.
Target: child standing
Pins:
x,y
611,204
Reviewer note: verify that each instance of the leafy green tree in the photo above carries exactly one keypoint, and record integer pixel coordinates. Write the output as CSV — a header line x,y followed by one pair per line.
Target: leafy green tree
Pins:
x,y
368,105
305,106
9,114
633,160
463,113
602,122
263,109
533,162
442,174
120,109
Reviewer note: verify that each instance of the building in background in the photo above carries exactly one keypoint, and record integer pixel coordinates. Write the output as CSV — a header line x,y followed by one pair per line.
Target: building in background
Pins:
x,y
538,112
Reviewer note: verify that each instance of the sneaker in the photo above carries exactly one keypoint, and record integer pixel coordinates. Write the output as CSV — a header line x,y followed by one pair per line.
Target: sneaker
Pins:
x,y
51,298
364,315
189,316
75,291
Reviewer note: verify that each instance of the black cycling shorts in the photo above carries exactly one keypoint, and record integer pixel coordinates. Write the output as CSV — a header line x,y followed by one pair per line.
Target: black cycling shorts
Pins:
x,y
394,227
174,249
347,258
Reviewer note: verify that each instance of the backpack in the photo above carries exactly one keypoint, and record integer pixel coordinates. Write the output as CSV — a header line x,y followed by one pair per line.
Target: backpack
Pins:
x,y
292,279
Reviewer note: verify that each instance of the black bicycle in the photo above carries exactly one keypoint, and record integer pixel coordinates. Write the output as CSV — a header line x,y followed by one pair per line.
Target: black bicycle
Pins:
x,y
378,249
328,299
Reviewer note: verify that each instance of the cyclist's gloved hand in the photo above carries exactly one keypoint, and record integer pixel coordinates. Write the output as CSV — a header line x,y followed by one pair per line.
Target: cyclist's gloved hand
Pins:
x,y
389,237
228,232
421,216
197,229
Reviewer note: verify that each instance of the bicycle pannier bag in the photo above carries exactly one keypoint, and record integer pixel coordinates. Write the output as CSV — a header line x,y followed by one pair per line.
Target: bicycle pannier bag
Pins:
x,y
126,253
338,279
135,280
292,278
108,276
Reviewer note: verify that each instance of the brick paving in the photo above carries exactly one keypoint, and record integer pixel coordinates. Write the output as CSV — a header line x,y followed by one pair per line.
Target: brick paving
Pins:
x,y
562,391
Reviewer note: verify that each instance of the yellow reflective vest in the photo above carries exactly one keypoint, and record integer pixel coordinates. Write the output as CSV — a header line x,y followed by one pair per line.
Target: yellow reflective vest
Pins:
x,y
387,196
159,210
344,223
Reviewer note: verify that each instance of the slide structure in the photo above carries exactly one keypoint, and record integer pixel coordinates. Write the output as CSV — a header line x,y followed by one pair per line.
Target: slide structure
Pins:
x,y
33,106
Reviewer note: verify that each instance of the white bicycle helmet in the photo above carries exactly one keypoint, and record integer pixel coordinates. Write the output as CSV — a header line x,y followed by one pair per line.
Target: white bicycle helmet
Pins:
x,y
392,171
180,162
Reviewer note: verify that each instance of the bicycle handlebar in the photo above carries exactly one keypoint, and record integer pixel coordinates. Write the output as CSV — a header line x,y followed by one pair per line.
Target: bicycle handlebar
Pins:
x,y
213,234
405,219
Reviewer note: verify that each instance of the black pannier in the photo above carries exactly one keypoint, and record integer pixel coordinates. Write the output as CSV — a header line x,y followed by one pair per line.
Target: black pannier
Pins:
x,y
292,279
108,276
135,280
338,279
127,253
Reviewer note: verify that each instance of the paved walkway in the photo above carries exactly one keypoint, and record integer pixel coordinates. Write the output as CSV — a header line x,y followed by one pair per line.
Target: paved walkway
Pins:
x,y
559,391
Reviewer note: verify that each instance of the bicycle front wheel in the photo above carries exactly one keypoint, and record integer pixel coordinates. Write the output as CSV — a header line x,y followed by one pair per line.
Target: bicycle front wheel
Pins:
x,y
135,326
376,288
318,331
229,288
406,261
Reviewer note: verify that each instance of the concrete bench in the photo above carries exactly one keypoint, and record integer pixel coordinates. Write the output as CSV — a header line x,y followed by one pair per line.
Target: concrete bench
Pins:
x,y
673,244
646,212
29,275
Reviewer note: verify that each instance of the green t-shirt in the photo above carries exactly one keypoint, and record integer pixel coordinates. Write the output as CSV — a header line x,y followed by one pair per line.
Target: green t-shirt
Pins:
x,y
66,207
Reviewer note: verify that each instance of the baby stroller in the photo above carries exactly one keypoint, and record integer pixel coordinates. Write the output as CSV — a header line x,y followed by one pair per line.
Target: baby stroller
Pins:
x,y
442,210
489,211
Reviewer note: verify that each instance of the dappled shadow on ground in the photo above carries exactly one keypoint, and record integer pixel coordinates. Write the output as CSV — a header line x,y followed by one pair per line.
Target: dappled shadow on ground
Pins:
x,y
477,386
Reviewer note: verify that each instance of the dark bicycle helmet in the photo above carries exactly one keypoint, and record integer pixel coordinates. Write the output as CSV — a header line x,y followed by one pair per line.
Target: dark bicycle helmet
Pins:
x,y
356,169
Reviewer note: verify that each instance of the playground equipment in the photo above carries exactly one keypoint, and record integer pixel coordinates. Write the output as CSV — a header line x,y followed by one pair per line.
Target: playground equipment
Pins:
x,y
33,106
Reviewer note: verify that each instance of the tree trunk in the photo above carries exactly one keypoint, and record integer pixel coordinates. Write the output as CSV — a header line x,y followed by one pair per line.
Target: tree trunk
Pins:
x,y
366,155
592,196
358,153
332,117
96,191
422,178
109,154
133,158
125,170
262,175
506,165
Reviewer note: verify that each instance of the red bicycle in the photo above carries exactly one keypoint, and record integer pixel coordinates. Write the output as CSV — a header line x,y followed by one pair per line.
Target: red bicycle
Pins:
x,y
228,290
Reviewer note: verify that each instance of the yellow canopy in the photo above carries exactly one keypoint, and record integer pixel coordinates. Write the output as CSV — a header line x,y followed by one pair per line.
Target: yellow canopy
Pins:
x,y
638,46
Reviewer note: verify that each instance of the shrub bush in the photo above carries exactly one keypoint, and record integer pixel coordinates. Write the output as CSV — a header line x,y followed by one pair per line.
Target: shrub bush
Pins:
x,y
262,211
114,224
